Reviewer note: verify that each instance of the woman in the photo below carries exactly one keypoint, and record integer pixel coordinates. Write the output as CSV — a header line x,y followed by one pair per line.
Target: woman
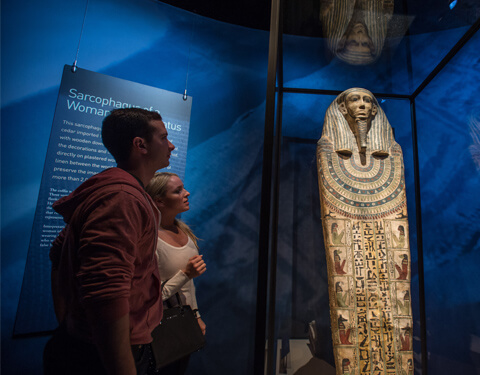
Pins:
x,y
177,250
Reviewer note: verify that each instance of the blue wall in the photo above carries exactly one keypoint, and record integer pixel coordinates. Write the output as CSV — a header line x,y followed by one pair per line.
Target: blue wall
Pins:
x,y
449,129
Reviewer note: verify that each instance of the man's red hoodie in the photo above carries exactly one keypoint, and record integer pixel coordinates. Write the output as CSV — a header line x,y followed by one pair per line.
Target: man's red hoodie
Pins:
x,y
105,255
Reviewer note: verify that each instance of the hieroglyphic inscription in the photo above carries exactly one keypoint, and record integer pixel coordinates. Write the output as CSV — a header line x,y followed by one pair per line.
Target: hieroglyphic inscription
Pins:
x,y
372,299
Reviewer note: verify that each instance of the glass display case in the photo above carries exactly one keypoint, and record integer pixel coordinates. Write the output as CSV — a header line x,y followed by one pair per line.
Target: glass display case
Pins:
x,y
421,63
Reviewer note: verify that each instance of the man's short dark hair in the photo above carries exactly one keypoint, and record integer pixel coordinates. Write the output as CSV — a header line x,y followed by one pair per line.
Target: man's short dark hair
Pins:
x,y
121,126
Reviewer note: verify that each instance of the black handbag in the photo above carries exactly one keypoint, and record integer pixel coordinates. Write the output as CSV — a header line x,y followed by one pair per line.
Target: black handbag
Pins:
x,y
177,336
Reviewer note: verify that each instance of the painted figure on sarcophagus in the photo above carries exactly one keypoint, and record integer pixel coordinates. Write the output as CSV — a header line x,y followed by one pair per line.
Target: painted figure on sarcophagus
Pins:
x,y
400,240
403,269
346,366
365,222
340,295
344,331
336,237
356,29
404,304
339,263
406,338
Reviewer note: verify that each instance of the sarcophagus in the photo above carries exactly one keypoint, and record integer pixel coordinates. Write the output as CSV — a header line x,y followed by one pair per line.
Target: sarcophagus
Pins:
x,y
365,225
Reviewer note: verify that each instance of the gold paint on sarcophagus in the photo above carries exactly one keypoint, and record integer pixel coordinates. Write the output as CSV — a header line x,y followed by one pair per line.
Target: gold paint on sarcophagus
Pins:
x,y
365,225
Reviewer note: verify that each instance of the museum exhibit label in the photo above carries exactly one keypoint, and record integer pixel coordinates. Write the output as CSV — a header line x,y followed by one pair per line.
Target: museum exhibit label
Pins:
x,y
75,153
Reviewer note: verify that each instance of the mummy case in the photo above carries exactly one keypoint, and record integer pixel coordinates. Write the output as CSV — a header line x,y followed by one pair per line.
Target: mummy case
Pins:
x,y
365,225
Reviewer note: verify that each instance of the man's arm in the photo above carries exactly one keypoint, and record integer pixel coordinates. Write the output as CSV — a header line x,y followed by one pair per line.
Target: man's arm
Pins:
x,y
58,302
107,254
112,339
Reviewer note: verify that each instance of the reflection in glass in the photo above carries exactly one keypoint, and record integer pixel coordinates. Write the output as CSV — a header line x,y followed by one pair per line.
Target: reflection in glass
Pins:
x,y
356,29
475,133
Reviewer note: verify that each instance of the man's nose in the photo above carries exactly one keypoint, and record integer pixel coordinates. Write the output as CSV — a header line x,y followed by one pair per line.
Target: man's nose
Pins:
x,y
171,146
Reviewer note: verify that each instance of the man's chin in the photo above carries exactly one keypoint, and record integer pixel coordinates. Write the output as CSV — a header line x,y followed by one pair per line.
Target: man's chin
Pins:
x,y
165,165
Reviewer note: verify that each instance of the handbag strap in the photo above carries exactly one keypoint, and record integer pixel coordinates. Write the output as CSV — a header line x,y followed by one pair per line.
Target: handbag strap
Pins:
x,y
168,301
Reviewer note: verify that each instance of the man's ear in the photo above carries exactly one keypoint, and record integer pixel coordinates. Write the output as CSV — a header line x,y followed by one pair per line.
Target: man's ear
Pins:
x,y
140,145
343,109
374,110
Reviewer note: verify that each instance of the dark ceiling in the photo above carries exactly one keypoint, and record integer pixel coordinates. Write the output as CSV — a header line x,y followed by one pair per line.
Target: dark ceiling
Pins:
x,y
250,13
256,13
301,17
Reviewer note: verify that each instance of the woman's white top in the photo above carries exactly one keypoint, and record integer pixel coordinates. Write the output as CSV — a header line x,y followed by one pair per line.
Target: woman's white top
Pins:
x,y
171,261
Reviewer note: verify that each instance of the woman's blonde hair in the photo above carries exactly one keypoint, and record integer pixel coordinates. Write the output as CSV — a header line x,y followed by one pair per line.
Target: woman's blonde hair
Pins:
x,y
157,188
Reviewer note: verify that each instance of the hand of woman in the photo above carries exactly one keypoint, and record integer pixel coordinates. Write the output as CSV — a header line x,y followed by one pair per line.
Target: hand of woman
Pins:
x,y
202,325
195,266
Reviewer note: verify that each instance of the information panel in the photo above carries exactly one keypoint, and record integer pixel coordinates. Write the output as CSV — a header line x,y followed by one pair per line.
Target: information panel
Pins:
x,y
76,152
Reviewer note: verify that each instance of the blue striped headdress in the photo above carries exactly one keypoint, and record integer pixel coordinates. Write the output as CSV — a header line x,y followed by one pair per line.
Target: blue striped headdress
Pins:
x,y
336,128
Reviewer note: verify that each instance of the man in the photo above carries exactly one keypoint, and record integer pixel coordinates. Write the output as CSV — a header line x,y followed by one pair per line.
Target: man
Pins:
x,y
105,281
